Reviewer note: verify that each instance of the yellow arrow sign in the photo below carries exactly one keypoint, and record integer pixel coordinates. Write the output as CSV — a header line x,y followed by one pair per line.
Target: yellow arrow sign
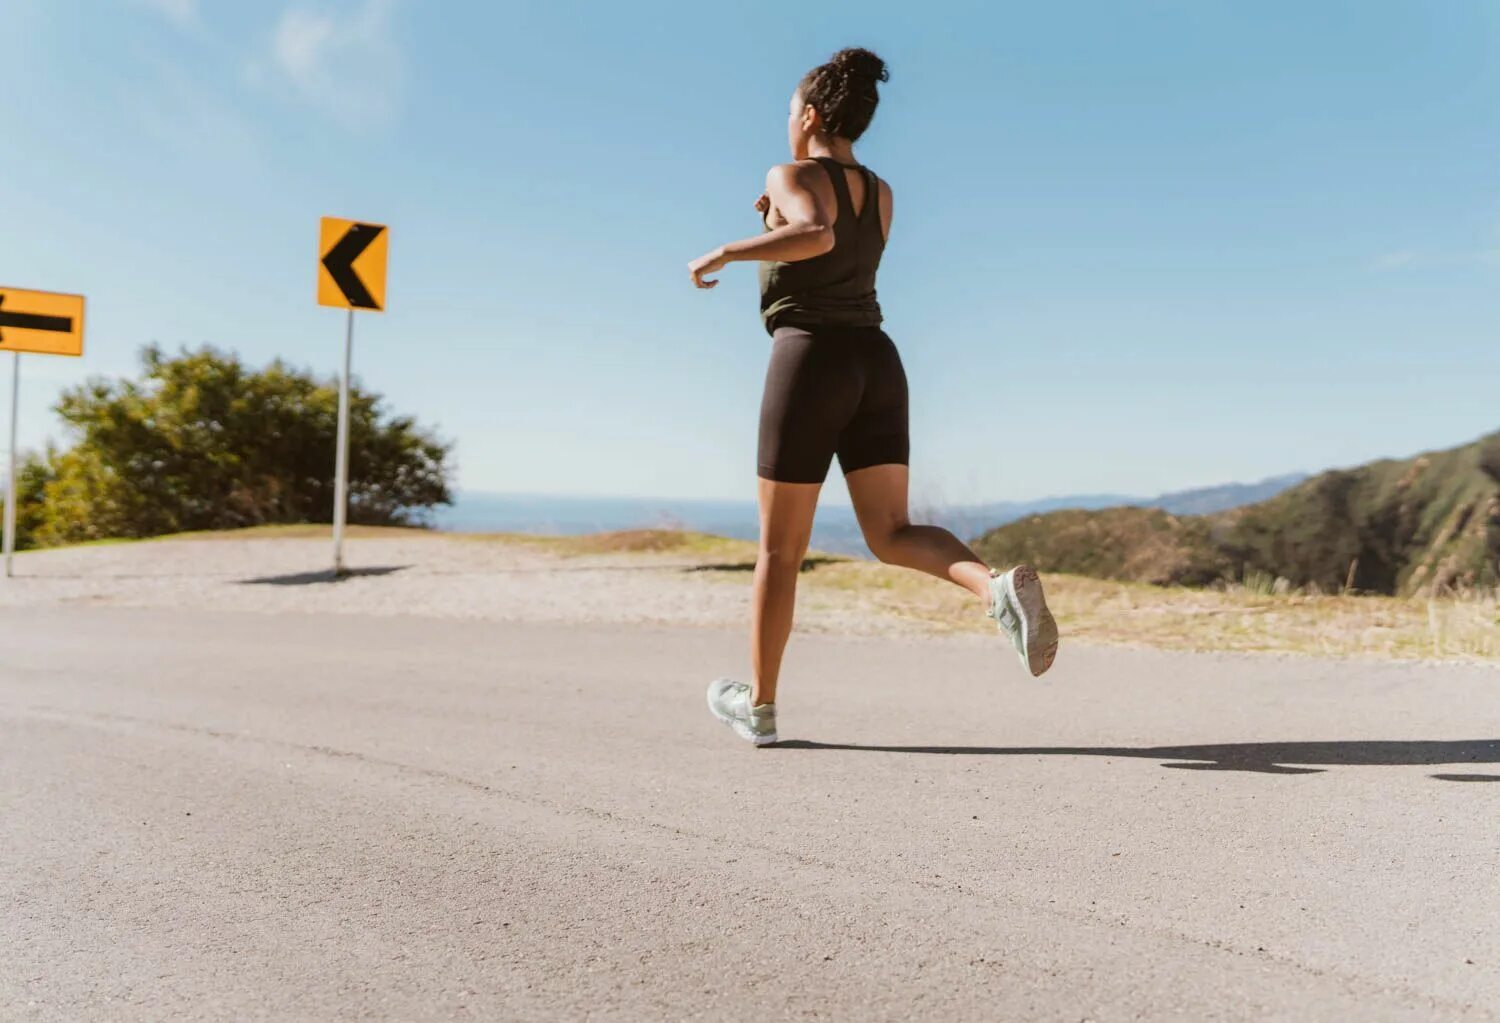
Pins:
x,y
351,264
40,321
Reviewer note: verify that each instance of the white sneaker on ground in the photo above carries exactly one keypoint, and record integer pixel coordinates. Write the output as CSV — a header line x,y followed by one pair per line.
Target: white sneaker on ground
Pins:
x,y
730,703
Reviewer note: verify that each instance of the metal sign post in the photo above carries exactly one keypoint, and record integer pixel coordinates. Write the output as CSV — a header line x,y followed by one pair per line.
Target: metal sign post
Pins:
x,y
10,474
341,459
351,275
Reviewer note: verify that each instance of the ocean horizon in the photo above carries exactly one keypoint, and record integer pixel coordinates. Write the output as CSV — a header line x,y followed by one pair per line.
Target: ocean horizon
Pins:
x,y
835,529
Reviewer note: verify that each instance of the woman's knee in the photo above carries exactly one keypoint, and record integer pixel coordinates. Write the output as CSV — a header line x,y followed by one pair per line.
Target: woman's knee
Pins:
x,y
885,543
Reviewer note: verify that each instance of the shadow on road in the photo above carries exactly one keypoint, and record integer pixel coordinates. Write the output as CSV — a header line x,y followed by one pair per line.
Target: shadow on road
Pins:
x,y
321,576
1260,757
808,564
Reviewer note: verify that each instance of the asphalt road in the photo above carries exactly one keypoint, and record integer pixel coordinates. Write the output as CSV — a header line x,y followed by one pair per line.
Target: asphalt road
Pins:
x,y
237,816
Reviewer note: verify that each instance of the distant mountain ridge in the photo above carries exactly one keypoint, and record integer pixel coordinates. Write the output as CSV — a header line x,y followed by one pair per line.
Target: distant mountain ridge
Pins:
x,y
1426,524
1207,500
835,530
972,520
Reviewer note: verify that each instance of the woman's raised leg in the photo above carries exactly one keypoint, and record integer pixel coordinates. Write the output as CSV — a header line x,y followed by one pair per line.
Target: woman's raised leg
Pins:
x,y
1014,599
880,503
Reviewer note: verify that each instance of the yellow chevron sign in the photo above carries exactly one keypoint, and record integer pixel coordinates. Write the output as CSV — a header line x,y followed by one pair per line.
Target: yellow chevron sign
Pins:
x,y
351,264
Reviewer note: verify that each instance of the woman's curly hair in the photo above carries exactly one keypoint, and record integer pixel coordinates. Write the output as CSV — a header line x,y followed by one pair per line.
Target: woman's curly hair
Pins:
x,y
843,91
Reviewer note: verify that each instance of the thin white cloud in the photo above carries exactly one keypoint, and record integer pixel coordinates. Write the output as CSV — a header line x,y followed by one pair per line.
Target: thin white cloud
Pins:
x,y
1395,260
180,12
301,39
343,63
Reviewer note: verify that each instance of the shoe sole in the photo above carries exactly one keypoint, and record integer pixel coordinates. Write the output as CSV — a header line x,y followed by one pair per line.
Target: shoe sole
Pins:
x,y
740,728
1037,624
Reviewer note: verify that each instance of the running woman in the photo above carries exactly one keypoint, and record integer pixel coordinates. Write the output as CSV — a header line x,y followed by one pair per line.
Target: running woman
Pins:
x,y
835,386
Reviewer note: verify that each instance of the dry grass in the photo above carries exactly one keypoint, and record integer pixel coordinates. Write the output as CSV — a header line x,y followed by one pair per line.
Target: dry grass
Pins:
x,y
629,541
302,531
1344,626
1238,619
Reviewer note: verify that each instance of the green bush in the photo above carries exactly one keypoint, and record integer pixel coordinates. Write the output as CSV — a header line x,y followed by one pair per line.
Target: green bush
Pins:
x,y
203,442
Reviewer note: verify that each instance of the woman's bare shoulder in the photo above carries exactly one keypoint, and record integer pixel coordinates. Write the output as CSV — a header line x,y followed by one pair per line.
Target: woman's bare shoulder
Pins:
x,y
798,172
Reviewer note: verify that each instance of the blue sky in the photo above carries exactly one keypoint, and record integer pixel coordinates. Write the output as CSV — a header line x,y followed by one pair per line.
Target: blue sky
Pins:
x,y
1138,246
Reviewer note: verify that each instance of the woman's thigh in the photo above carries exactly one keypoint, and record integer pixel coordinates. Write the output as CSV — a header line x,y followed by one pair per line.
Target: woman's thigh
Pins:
x,y
786,517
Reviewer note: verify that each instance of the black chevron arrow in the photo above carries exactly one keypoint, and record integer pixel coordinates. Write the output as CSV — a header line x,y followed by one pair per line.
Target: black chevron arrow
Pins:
x,y
33,321
340,264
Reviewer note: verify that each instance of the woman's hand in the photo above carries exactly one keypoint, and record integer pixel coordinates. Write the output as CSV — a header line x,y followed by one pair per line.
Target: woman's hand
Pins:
x,y
708,263
763,205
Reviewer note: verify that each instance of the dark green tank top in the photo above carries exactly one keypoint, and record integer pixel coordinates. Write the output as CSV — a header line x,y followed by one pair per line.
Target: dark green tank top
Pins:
x,y
838,287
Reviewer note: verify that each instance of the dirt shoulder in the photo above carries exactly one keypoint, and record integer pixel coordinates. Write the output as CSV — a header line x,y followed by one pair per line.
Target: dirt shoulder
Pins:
x,y
671,578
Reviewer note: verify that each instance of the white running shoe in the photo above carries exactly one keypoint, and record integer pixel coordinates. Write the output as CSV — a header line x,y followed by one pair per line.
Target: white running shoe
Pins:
x,y
1020,610
730,703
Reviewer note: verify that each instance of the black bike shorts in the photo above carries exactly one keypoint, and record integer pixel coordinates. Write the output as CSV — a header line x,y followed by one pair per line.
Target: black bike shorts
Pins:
x,y
832,390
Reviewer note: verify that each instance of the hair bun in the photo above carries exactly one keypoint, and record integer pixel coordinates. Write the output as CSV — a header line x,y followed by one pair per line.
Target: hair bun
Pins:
x,y
844,91
858,62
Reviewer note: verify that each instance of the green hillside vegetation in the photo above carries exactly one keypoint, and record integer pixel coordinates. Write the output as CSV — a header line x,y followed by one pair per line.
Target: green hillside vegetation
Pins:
x,y
1423,525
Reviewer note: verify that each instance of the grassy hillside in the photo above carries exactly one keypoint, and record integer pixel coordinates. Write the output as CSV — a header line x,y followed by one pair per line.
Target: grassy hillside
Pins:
x,y
1428,524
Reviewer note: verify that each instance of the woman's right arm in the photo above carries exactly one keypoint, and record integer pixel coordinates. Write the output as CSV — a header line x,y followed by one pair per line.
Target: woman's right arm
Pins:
x,y
807,233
